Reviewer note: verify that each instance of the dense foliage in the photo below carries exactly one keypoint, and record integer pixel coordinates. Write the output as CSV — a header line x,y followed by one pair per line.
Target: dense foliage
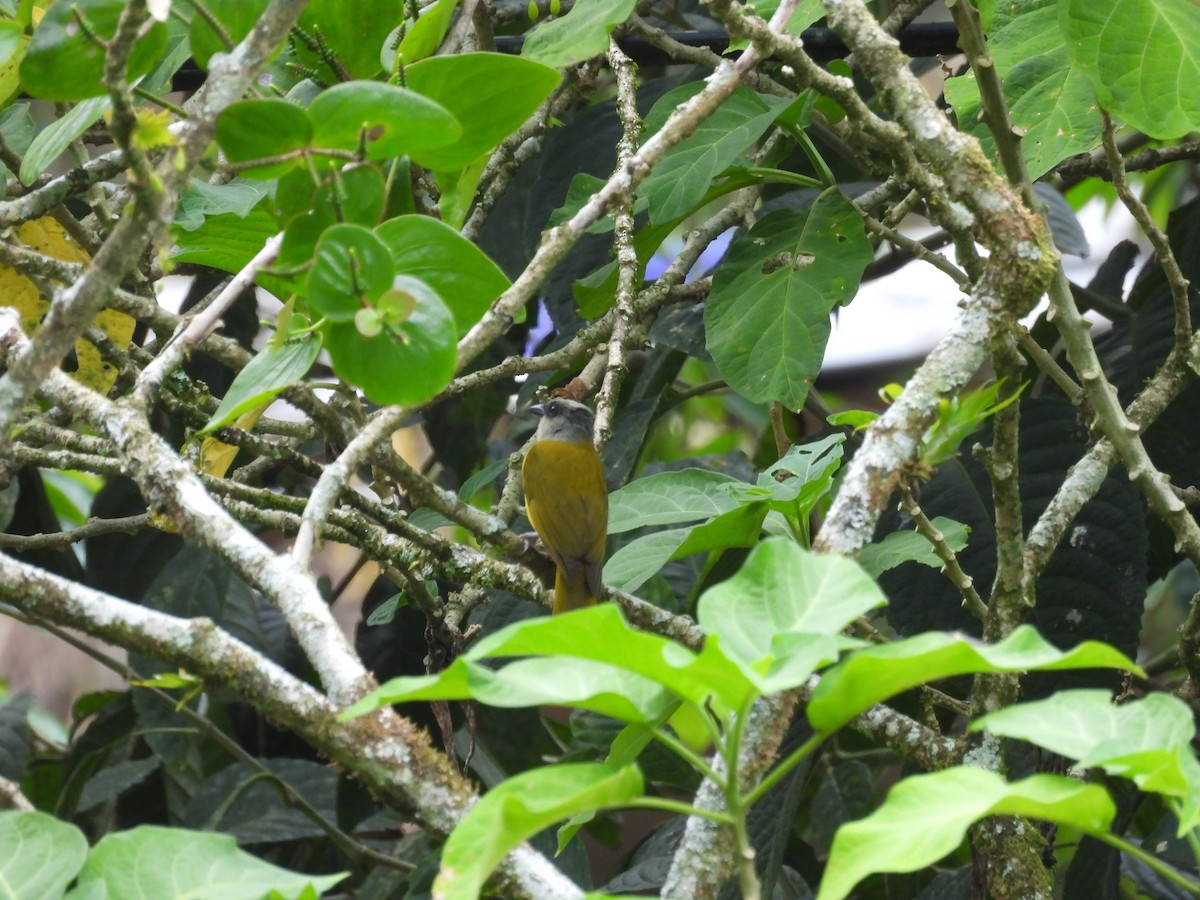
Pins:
x,y
924,649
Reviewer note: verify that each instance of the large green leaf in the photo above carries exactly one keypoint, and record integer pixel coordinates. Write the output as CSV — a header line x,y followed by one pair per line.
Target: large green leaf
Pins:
x,y
64,64
639,560
1147,741
601,634
351,266
1049,99
670,497
869,676
152,861
41,855
581,34
459,271
225,242
407,361
198,200
779,616
256,129
1142,57
767,318
927,816
489,93
582,684
354,31
383,119
518,809
681,179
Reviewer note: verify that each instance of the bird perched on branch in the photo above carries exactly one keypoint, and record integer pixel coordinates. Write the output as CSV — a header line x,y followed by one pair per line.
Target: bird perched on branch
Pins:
x,y
566,499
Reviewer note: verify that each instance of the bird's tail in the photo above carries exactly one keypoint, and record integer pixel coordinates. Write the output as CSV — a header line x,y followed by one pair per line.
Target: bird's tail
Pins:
x,y
572,594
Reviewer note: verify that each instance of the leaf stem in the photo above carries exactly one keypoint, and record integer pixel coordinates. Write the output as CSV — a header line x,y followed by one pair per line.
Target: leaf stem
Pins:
x,y
1161,868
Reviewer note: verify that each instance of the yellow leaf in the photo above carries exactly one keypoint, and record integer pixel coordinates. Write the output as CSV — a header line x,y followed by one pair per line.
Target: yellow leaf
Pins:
x,y
47,236
215,456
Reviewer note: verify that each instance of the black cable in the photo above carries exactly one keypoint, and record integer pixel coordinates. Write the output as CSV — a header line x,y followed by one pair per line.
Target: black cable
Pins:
x,y
822,44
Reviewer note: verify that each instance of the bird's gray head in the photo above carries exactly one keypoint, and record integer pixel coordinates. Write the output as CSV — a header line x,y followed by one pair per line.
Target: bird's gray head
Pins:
x,y
564,420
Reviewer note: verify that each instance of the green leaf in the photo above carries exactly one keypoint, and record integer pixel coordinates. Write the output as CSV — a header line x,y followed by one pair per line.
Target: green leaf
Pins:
x,y
489,93
519,808
600,633
407,363
910,546
226,242
669,497
198,200
351,266
1050,100
581,34
257,129
384,119
1142,57
273,369
584,684
42,855
459,271
52,140
797,482
681,179
767,318
13,43
926,817
423,37
152,861
1147,741
63,64
639,560
870,676
778,617
236,18
353,194
352,31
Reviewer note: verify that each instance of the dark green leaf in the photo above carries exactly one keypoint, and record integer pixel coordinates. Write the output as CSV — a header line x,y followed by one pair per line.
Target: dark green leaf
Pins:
x,y
258,129
681,179
767,318
63,64
351,267
489,93
385,120
406,363
353,31
459,271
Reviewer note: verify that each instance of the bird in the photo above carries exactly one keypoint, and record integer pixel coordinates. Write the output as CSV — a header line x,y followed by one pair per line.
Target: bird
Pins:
x,y
566,500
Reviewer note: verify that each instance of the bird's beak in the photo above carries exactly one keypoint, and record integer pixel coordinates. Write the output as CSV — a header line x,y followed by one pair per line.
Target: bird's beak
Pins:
x,y
538,409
